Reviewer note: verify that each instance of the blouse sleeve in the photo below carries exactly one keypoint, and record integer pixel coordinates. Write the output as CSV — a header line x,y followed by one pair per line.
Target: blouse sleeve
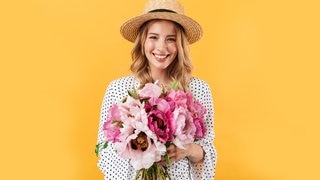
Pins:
x,y
205,169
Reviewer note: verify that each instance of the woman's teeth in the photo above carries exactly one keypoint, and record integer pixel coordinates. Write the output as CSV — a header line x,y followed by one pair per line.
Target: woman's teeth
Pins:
x,y
160,57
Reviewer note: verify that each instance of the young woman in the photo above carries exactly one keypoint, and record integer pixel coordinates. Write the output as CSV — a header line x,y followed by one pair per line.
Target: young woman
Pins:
x,y
161,37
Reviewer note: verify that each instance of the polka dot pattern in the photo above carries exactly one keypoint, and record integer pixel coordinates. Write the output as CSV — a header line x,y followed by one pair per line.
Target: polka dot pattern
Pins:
x,y
114,167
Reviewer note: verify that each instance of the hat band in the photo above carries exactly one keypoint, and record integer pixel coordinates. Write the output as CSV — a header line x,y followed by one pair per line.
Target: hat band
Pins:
x,y
161,10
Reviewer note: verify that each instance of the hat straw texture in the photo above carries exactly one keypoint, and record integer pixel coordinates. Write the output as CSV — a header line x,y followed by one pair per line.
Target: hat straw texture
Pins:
x,y
162,9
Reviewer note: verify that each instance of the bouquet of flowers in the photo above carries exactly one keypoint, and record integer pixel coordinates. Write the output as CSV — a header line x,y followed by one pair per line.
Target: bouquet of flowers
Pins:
x,y
147,121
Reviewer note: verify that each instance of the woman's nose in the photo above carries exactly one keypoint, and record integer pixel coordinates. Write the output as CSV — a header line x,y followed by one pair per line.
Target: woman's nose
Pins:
x,y
161,45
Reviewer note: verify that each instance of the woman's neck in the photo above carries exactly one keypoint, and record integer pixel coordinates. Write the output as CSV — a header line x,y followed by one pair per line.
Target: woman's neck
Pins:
x,y
162,78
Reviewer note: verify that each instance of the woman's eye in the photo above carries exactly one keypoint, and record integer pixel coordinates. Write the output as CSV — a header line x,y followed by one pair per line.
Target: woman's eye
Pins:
x,y
152,37
172,39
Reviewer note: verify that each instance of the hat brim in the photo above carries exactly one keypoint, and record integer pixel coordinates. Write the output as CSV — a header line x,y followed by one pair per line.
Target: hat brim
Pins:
x,y
129,30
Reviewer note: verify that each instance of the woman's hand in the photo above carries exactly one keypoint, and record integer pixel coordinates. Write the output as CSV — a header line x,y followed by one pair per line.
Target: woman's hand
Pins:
x,y
192,151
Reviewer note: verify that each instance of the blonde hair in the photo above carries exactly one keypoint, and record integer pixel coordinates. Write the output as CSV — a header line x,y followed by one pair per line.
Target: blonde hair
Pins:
x,y
179,70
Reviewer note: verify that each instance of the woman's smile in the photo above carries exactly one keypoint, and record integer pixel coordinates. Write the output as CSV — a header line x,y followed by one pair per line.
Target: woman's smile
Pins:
x,y
160,58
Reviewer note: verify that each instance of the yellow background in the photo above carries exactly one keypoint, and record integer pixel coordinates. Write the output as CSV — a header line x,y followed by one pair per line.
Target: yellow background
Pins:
x,y
261,59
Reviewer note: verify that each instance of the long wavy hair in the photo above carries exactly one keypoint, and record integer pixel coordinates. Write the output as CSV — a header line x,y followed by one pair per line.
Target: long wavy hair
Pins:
x,y
179,70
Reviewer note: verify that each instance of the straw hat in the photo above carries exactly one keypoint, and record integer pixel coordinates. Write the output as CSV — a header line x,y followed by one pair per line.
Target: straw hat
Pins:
x,y
162,9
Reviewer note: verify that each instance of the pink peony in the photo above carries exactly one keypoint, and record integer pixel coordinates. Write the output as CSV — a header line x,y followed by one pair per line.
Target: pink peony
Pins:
x,y
198,111
146,158
150,90
178,97
160,119
133,111
142,148
186,100
113,124
201,130
185,128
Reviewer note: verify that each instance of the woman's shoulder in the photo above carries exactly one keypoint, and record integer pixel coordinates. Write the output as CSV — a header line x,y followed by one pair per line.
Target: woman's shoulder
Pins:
x,y
200,89
124,82
197,82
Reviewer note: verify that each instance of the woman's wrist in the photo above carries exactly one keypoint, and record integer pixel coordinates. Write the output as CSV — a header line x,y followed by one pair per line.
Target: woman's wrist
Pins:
x,y
195,153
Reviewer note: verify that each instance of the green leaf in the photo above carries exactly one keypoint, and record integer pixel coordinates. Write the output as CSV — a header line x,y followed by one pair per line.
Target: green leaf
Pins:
x,y
105,145
97,149
124,100
167,159
134,94
174,85
144,99
115,121
149,171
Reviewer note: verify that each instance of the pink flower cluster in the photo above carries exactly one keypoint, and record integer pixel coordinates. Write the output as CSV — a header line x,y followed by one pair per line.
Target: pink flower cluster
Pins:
x,y
147,120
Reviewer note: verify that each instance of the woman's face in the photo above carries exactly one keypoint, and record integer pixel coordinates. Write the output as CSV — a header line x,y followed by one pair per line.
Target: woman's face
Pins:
x,y
160,45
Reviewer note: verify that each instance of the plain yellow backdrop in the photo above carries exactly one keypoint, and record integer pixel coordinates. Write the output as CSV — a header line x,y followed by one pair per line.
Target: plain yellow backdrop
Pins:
x,y
260,57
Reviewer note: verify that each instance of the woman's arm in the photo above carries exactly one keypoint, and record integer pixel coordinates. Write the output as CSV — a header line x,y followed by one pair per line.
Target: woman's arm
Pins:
x,y
205,168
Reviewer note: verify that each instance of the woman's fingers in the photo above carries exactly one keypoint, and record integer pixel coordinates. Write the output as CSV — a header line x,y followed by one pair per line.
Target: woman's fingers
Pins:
x,y
174,154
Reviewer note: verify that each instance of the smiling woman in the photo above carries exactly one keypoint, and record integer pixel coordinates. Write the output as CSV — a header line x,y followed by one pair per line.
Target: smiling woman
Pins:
x,y
160,55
